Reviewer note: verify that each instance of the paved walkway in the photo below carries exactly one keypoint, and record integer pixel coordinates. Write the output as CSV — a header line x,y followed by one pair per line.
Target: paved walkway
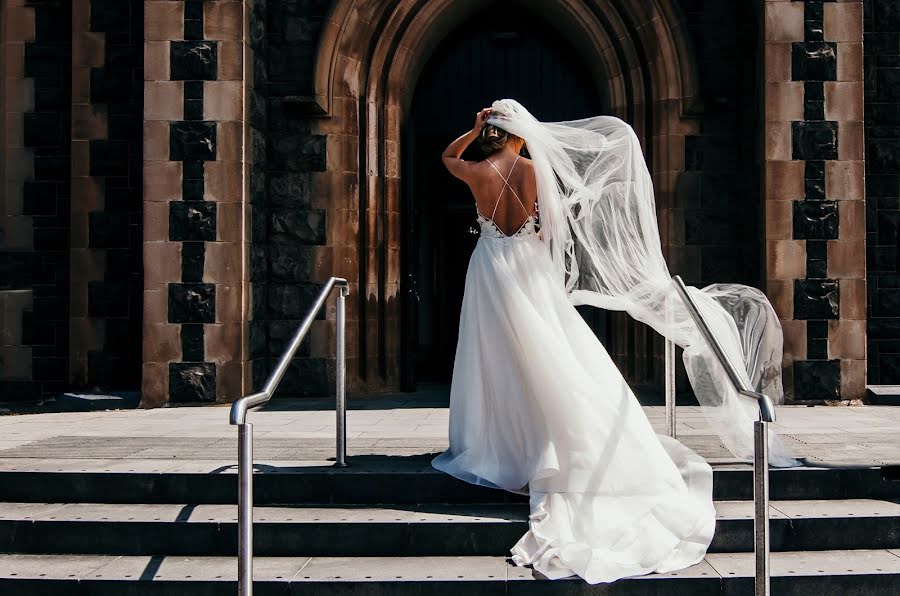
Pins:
x,y
302,432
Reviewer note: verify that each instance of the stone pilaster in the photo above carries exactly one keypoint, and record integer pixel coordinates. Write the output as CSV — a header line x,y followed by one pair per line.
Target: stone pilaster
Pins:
x,y
815,217
105,243
16,226
194,253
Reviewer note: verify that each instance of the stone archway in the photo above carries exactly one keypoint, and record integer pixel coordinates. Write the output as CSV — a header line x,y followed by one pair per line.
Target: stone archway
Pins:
x,y
369,57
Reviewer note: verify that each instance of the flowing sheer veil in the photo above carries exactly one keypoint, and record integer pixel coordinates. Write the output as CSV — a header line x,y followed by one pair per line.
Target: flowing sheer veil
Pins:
x,y
598,214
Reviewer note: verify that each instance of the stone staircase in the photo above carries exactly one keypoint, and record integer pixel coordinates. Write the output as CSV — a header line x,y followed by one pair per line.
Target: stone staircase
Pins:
x,y
393,526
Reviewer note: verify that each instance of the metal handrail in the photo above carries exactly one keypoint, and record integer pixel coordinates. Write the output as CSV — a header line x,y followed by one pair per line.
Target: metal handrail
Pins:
x,y
760,444
238,417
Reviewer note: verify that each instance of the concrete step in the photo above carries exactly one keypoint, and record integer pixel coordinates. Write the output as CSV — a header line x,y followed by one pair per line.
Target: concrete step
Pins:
x,y
425,529
824,573
375,479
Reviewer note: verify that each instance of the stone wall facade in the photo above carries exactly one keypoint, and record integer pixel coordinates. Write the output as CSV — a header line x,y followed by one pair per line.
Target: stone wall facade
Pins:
x,y
814,194
181,176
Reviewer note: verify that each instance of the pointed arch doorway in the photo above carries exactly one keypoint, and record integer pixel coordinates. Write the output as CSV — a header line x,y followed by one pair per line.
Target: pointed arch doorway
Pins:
x,y
476,63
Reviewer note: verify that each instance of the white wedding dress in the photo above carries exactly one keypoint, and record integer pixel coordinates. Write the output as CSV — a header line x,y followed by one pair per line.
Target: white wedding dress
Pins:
x,y
538,407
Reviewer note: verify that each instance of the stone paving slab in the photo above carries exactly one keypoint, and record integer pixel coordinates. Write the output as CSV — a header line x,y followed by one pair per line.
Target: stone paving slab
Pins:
x,y
404,514
397,424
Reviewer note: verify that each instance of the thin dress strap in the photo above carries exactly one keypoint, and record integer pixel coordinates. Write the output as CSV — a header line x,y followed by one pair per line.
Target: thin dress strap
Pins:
x,y
505,185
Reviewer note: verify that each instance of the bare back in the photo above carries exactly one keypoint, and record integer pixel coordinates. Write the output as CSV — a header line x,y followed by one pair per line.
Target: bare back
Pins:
x,y
505,191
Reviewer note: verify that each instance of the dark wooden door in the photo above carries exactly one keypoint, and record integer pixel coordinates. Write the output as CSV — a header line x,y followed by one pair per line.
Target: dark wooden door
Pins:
x,y
472,67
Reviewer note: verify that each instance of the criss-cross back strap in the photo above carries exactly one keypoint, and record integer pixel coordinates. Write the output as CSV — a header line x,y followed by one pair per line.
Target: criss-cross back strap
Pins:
x,y
505,185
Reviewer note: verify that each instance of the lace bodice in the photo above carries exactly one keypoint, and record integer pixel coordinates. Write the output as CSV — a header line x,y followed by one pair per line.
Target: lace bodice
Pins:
x,y
490,229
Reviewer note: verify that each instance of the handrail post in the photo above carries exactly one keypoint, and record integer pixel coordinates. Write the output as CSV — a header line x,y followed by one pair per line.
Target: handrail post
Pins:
x,y
340,409
245,509
760,444
238,417
761,505
670,387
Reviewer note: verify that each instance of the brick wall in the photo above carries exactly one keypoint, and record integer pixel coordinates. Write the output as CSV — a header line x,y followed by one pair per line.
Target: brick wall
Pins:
x,y
882,103
46,193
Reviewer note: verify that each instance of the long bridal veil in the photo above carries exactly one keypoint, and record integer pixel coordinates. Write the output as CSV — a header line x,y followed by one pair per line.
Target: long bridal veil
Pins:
x,y
598,215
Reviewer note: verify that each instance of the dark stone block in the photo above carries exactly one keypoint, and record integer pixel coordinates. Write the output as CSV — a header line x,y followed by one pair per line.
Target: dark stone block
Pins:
x,y
708,226
814,61
193,170
814,140
49,369
883,114
195,220
290,190
124,127
814,170
885,15
193,259
109,14
193,109
44,61
817,379
305,377
297,153
882,185
193,29
883,155
888,226
39,198
192,303
814,190
109,158
193,89
814,91
108,230
192,141
193,9
817,329
816,268
289,262
111,85
16,269
693,153
107,299
886,303
301,226
814,110
815,220
52,167
258,263
887,84
192,345
192,190
108,370
51,239
41,129
19,390
192,382
817,249
816,349
280,334
291,301
813,30
816,299
193,60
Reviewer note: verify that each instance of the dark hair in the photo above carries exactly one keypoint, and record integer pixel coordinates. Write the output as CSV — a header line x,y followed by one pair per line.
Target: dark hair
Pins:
x,y
492,138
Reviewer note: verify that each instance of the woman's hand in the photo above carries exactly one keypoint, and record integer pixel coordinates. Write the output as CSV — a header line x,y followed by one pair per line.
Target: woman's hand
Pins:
x,y
481,119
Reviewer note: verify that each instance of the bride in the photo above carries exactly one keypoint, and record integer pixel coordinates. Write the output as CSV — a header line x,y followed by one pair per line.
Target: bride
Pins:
x,y
537,406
